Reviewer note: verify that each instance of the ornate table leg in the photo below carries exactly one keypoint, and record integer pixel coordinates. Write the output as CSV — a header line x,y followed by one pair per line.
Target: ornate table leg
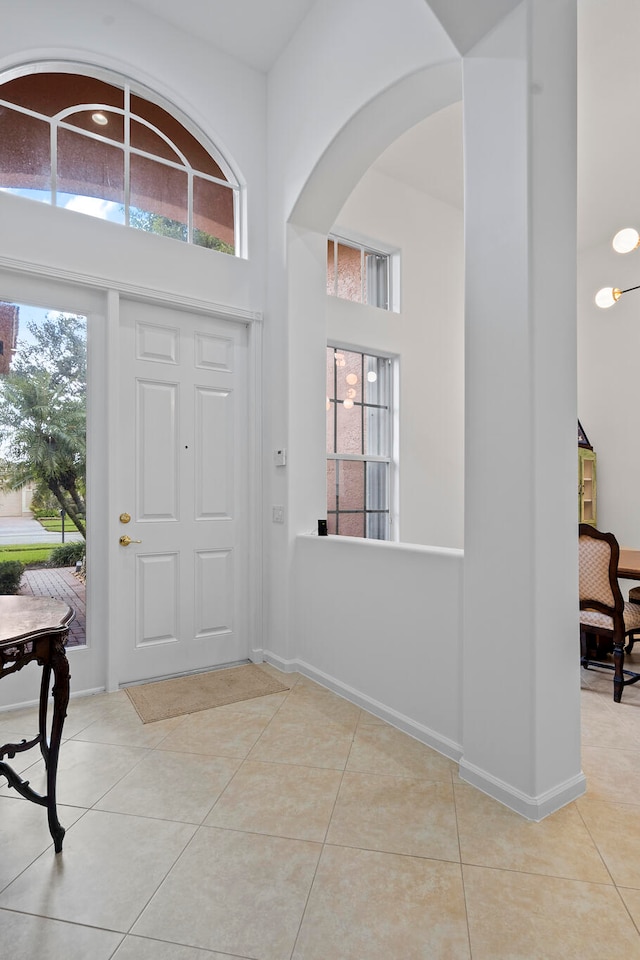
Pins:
x,y
60,667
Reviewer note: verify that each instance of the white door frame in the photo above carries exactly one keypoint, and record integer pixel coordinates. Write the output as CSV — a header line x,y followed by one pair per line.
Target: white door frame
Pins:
x,y
99,299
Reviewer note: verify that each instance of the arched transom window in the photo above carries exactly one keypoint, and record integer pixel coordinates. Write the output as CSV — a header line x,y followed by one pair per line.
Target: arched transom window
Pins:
x,y
95,144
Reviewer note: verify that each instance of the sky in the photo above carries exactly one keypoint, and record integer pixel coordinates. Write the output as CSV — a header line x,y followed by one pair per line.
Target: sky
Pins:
x,y
94,207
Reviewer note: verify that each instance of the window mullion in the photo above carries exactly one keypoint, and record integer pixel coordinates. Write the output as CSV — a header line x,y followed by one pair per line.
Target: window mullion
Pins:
x,y
127,155
53,146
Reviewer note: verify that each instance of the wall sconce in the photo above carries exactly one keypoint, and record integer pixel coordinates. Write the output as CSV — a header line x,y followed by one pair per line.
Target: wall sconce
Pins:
x,y
625,241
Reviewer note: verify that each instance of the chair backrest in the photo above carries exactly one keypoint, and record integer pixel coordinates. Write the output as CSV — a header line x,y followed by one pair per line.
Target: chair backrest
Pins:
x,y
598,565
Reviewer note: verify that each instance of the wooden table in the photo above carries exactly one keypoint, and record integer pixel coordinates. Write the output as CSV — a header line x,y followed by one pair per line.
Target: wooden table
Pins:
x,y
629,564
36,628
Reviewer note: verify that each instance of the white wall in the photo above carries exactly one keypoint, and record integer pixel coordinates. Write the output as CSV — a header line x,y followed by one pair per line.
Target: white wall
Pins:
x,y
519,719
608,347
323,78
427,336
380,623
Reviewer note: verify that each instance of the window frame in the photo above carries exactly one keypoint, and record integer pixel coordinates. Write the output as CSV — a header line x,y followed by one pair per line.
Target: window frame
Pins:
x,y
375,249
391,460
132,88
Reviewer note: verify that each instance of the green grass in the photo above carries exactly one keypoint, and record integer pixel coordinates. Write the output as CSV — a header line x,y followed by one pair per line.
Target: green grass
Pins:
x,y
28,552
54,524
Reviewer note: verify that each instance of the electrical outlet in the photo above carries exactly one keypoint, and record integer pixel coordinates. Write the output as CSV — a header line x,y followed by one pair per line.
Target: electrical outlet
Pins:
x,y
277,514
280,458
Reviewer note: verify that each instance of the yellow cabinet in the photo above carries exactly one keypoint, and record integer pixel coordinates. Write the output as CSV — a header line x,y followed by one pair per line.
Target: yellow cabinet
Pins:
x,y
586,486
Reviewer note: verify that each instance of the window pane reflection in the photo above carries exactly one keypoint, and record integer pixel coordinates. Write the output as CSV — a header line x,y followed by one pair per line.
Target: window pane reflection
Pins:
x,y
158,198
25,156
89,168
213,216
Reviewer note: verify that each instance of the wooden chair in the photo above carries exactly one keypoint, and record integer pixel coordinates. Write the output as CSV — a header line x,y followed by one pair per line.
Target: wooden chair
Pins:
x,y
603,611
634,597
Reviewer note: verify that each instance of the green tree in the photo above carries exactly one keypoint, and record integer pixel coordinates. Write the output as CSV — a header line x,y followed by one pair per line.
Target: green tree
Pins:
x,y
43,414
165,227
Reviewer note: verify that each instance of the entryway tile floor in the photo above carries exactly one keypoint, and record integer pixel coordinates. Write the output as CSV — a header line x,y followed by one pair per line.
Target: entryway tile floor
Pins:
x,y
299,827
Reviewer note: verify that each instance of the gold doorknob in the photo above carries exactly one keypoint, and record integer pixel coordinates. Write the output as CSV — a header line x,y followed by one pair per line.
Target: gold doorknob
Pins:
x,y
125,517
125,540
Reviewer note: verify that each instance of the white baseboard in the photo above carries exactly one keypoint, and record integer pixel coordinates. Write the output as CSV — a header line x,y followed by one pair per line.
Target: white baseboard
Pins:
x,y
8,708
533,808
416,730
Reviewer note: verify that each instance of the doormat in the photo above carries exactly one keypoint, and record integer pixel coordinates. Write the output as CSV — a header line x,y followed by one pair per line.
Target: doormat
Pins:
x,y
201,691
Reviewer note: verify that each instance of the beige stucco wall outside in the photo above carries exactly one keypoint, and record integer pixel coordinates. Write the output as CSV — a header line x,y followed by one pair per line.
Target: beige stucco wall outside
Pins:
x,y
16,503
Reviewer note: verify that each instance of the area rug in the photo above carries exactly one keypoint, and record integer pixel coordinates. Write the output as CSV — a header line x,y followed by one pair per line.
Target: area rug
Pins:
x,y
201,691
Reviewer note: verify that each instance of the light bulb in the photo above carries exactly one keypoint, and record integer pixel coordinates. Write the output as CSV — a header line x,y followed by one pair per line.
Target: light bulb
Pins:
x,y
626,240
351,378
608,296
100,119
348,404
372,376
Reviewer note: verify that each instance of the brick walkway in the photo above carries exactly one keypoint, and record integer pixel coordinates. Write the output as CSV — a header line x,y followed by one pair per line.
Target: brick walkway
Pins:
x,y
61,583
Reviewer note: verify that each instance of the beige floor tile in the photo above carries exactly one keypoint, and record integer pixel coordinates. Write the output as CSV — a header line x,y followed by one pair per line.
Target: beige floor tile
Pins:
x,y
85,771
612,774
319,709
139,948
519,916
236,893
218,733
21,761
311,744
378,906
367,718
24,834
109,868
35,938
128,730
608,724
385,750
396,815
632,902
21,723
491,835
85,710
615,828
171,786
284,800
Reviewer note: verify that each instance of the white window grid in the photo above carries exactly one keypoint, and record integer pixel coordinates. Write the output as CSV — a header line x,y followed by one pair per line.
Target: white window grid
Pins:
x,y
58,122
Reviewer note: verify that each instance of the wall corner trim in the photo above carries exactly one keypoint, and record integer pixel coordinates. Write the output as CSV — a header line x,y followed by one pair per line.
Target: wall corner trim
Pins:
x,y
533,808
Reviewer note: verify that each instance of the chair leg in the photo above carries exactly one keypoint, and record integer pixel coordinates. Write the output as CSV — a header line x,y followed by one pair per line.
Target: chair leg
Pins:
x,y
632,639
618,675
583,649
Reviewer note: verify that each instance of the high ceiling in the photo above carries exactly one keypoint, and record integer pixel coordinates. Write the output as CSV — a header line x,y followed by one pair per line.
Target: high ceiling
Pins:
x,y
254,31
429,156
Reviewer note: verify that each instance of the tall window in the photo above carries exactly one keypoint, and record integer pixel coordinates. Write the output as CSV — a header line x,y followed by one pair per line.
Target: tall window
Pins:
x,y
359,444
356,272
96,144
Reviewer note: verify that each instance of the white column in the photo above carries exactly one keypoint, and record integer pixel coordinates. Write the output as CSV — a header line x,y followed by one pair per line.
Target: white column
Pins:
x,y
521,726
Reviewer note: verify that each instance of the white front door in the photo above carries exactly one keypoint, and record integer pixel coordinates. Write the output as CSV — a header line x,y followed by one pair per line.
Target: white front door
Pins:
x,y
182,439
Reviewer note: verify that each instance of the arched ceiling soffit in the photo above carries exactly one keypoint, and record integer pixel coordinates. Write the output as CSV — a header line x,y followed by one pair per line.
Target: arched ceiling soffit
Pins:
x,y
367,134
468,21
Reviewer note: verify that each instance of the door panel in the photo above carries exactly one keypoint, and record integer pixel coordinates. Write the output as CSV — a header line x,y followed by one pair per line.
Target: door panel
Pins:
x,y
182,442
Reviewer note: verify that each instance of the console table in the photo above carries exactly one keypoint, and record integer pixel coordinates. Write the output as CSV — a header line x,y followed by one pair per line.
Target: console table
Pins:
x,y
36,628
